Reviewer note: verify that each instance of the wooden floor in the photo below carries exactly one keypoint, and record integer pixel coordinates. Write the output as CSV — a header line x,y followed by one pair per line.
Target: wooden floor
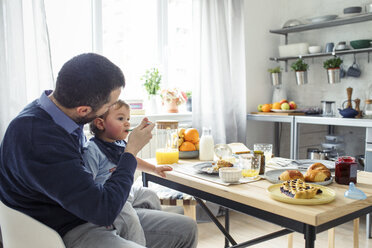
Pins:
x,y
244,227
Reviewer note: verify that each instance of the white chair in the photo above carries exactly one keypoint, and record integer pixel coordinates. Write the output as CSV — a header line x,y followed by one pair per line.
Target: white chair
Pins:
x,y
20,230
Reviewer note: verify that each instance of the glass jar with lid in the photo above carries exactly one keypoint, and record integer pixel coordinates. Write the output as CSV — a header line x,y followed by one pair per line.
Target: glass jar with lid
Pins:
x,y
368,109
166,142
346,170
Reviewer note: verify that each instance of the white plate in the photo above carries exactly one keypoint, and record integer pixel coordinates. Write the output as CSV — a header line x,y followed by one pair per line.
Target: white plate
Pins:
x,y
322,18
307,162
206,167
273,177
284,111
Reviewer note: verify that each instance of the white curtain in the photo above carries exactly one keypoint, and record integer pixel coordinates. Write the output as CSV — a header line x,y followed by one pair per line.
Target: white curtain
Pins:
x,y
220,91
25,65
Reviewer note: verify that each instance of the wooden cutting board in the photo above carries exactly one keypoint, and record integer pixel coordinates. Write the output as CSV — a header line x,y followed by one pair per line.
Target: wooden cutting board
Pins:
x,y
276,113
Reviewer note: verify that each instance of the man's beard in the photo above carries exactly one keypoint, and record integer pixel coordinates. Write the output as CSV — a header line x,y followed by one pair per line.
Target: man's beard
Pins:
x,y
86,119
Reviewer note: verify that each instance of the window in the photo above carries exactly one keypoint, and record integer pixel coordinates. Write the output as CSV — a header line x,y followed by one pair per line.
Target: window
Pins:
x,y
135,35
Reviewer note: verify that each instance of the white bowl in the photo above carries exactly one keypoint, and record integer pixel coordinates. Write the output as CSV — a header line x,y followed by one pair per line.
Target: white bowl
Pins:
x,y
230,174
295,49
315,49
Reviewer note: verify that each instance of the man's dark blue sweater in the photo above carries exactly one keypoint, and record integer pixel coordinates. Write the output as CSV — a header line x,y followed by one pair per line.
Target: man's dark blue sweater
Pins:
x,y
42,175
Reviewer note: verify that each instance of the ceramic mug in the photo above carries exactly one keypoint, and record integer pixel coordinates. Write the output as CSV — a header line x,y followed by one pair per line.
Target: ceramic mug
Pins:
x,y
354,70
329,47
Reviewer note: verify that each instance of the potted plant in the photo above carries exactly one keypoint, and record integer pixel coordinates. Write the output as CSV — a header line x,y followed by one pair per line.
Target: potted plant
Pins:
x,y
276,75
333,69
300,68
172,98
152,79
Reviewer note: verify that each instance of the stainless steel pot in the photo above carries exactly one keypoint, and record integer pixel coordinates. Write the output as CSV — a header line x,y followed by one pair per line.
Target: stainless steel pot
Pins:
x,y
276,79
313,153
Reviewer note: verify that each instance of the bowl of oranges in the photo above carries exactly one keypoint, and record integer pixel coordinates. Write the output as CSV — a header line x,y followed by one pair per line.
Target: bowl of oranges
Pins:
x,y
188,143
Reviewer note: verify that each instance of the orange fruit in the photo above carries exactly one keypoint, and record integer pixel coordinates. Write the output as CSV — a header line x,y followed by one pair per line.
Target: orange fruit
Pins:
x,y
276,105
191,135
197,145
266,108
187,146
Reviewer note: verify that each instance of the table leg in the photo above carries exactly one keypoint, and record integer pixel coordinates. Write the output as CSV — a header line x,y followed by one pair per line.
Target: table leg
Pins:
x,y
368,225
227,225
214,219
356,233
331,238
309,236
145,182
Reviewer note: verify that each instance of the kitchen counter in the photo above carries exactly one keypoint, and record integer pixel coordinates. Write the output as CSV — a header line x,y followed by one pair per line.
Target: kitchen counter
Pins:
x,y
295,121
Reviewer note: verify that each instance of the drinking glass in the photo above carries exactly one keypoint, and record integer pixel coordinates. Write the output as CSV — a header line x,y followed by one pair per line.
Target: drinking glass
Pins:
x,y
250,164
267,149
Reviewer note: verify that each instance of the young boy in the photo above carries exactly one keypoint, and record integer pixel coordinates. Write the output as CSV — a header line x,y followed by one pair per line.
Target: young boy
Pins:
x,y
102,156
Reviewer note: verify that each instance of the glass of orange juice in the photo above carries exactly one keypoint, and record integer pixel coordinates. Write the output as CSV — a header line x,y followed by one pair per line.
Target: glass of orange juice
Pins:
x,y
166,142
250,164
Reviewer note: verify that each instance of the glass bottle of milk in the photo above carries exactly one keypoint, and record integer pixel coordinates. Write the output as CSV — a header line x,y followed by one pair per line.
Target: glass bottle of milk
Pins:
x,y
206,145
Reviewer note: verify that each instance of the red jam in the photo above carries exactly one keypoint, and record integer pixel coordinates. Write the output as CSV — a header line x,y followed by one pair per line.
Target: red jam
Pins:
x,y
346,170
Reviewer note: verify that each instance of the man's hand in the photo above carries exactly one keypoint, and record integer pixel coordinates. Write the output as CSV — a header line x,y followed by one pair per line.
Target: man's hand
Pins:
x,y
139,137
159,170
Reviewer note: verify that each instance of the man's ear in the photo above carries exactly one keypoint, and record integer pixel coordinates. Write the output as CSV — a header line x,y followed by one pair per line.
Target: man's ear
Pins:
x,y
83,111
99,123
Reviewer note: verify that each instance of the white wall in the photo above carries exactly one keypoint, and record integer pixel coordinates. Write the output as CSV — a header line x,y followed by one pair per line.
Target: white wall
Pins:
x,y
261,16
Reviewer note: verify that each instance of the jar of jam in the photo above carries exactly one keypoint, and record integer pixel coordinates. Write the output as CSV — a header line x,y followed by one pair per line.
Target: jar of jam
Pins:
x,y
346,170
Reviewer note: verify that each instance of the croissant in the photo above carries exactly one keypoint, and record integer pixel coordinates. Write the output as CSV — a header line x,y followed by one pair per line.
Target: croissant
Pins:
x,y
291,175
317,172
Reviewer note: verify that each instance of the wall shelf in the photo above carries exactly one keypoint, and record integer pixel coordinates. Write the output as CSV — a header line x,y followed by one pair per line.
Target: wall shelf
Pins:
x,y
335,53
326,24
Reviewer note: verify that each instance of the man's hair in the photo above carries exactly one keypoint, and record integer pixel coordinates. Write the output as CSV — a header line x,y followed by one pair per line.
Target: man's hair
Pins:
x,y
117,105
87,80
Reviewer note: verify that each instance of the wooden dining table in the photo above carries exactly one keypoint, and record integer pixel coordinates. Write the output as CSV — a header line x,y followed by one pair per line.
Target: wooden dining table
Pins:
x,y
253,199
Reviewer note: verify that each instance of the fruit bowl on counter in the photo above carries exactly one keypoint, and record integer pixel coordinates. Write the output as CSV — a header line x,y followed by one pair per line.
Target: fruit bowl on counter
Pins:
x,y
188,143
189,154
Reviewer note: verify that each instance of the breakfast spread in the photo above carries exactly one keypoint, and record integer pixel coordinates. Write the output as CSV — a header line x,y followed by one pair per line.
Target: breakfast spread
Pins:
x,y
298,189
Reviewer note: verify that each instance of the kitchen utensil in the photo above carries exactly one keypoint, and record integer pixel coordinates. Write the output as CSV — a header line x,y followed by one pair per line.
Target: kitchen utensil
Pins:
x,y
222,151
334,139
188,154
341,45
292,23
358,44
322,18
357,108
328,108
352,10
360,159
273,176
368,109
348,112
313,153
325,154
354,70
315,49
293,49
342,71
329,47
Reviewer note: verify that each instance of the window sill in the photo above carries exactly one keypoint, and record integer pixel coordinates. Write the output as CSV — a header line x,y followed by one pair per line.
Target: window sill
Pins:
x,y
183,117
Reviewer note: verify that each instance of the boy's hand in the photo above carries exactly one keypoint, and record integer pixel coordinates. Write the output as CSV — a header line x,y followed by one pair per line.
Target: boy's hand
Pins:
x,y
139,137
159,170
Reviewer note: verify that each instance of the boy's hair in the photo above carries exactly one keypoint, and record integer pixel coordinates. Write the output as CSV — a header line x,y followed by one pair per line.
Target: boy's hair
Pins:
x,y
87,80
117,105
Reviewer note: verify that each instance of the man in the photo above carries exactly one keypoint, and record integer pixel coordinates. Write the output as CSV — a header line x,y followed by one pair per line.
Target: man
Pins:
x,y
42,172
